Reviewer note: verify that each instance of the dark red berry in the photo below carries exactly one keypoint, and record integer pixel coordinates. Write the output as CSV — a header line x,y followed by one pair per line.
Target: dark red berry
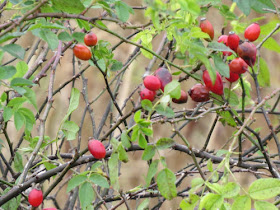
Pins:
x,y
252,32
90,39
96,148
152,82
35,197
238,66
218,87
199,93
82,52
147,94
233,77
164,76
182,99
224,39
207,27
233,41
248,52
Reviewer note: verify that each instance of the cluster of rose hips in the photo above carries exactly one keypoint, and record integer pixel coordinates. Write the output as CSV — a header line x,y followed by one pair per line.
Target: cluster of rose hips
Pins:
x,y
158,81
245,50
81,51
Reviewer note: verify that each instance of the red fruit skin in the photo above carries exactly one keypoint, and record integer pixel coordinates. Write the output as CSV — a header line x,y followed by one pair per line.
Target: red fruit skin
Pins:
x,y
207,27
233,41
199,93
96,148
152,83
164,76
183,99
233,77
90,39
218,87
35,197
147,94
224,39
82,52
238,66
252,32
50,209
248,52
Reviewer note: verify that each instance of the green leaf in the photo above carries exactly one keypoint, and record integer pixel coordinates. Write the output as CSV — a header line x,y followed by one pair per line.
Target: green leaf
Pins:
x,y
114,170
262,189
233,98
230,190
211,202
242,203
217,188
75,181
7,72
7,113
142,141
216,46
264,74
22,68
147,105
261,205
18,164
19,120
173,89
227,118
221,66
31,96
135,133
122,154
146,131
210,165
137,116
117,65
144,205
96,165
86,194
83,24
125,139
190,203
16,102
15,50
197,182
272,44
258,5
99,180
166,184
50,37
75,7
167,111
21,82
149,152
151,172
165,100
9,36
165,143
123,10
79,36
74,102
70,129
64,36
244,6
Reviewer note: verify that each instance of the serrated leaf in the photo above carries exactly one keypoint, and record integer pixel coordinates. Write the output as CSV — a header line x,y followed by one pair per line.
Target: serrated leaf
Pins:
x,y
147,105
75,181
70,129
122,154
19,120
166,184
50,37
79,36
230,190
165,143
22,68
173,89
167,111
137,116
64,36
7,113
86,194
125,139
262,189
221,66
211,202
149,152
113,171
142,141
69,6
244,6
190,203
7,72
122,11
96,165
15,50
18,164
151,172
117,65
99,180
264,74
11,35
135,133
233,99
218,47
260,4
261,205
242,203
31,96
21,82
147,131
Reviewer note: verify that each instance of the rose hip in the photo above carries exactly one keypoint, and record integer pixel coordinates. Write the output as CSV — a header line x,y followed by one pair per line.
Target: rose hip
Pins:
x,y
233,77
207,27
152,82
199,93
218,87
147,94
182,99
252,32
164,76
233,41
238,66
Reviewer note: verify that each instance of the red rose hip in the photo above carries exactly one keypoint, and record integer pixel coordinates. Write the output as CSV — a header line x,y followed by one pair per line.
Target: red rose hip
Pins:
x,y
96,148
224,39
248,52
252,32
238,66
182,99
164,76
147,94
152,82
207,27
82,52
35,197
199,93
233,77
218,87
233,41
90,39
